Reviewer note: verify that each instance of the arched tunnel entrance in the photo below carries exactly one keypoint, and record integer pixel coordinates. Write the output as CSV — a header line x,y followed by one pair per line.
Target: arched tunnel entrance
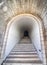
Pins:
x,y
24,26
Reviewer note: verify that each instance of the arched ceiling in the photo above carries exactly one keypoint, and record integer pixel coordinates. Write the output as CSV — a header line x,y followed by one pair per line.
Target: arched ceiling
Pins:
x,y
9,8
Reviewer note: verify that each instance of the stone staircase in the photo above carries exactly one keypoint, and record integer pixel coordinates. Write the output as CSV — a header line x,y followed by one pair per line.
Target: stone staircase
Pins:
x,y
24,53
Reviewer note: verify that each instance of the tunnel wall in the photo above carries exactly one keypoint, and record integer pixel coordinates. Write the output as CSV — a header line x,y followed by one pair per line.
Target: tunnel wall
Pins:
x,y
13,38
35,36
36,40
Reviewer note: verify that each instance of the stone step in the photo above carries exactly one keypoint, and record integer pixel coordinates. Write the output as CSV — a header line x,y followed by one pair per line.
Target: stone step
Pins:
x,y
23,60
22,56
22,64
25,40
24,50
23,53
24,47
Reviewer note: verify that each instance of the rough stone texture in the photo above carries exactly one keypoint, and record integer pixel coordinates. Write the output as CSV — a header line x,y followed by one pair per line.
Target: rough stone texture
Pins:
x,y
24,6
15,7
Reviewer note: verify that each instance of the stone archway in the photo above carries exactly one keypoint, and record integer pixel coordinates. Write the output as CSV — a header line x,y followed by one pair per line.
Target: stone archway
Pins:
x,y
13,30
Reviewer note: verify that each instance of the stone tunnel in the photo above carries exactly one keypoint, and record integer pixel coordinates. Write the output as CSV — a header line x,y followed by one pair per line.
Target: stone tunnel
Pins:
x,y
23,20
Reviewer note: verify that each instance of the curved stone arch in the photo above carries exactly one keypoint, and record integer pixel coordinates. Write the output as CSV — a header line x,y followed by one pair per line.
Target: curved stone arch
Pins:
x,y
40,29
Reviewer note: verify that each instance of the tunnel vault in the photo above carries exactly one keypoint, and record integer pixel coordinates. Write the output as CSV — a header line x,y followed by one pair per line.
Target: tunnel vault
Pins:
x,y
31,22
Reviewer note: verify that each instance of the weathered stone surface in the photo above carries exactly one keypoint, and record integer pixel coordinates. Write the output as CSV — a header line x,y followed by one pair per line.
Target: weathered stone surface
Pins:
x,y
15,7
